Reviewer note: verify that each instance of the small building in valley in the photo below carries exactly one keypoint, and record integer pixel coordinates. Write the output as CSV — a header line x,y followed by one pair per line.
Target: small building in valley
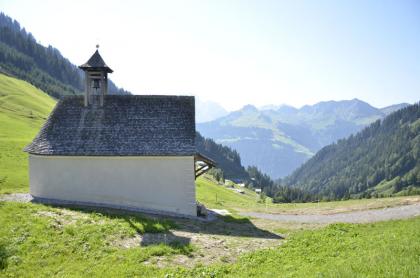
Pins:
x,y
121,151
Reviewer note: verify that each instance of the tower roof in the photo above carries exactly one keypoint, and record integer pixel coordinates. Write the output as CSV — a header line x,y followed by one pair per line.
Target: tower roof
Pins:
x,y
96,63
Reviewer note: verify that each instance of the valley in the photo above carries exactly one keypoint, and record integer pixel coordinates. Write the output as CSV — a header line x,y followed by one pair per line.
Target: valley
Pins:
x,y
280,139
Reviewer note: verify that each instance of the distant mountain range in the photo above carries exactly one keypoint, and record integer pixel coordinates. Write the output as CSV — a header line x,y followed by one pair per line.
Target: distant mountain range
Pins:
x,y
381,160
278,139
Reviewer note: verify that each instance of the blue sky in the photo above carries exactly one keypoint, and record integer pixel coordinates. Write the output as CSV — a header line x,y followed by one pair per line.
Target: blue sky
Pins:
x,y
240,52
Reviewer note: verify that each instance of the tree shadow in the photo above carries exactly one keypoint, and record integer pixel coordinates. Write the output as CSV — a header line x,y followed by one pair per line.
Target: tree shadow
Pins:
x,y
4,255
179,243
167,238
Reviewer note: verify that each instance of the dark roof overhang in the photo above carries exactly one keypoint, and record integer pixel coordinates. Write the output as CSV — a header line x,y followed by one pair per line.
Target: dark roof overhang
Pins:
x,y
208,164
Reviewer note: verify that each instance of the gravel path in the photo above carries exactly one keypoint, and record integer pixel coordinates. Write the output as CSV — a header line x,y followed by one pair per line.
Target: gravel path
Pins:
x,y
17,197
349,217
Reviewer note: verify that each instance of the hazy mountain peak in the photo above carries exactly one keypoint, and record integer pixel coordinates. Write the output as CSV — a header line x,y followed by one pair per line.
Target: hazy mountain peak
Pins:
x,y
357,101
392,108
343,109
275,107
287,108
249,108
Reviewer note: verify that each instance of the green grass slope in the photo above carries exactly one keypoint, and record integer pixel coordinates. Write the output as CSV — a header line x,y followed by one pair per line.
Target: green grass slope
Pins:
x,y
23,109
40,241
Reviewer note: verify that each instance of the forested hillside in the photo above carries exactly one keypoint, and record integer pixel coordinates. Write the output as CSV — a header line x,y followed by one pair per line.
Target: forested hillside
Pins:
x,y
381,160
225,157
44,67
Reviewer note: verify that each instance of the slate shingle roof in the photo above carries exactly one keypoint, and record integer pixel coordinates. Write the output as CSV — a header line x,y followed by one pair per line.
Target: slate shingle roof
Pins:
x,y
96,62
125,126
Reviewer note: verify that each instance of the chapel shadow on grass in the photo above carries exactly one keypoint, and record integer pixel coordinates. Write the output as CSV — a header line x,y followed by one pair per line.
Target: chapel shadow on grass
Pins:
x,y
229,226
140,222
152,223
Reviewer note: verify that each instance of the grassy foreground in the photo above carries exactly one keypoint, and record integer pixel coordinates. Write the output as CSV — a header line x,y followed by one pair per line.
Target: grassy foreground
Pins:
x,y
36,240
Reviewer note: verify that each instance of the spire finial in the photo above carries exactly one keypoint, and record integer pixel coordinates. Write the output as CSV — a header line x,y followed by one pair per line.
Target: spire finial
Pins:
x,y
97,46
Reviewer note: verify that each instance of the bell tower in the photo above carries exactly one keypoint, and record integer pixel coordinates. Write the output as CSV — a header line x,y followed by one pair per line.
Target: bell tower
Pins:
x,y
96,80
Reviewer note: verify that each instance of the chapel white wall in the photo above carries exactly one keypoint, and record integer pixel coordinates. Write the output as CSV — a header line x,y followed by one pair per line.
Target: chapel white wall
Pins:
x,y
150,183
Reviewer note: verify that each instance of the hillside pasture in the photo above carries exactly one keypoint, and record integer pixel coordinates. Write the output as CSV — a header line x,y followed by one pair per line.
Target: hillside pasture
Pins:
x,y
218,196
23,109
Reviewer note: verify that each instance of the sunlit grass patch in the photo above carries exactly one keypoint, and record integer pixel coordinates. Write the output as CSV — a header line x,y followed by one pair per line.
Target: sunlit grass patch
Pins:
x,y
44,240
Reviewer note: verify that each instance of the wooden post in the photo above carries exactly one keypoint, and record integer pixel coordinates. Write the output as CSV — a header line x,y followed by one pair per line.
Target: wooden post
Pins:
x,y
106,83
101,101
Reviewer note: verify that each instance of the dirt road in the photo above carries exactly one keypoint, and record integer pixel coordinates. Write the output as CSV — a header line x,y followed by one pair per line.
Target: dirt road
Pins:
x,y
366,216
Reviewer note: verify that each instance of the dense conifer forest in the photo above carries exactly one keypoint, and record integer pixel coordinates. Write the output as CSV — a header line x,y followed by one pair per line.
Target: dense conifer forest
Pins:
x,y
44,67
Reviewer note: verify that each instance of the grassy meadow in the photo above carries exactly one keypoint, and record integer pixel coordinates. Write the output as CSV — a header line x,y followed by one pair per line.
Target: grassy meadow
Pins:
x,y
43,241
221,197
384,249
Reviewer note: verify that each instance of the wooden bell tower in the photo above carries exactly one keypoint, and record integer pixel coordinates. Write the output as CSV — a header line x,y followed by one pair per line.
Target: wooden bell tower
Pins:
x,y
96,80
